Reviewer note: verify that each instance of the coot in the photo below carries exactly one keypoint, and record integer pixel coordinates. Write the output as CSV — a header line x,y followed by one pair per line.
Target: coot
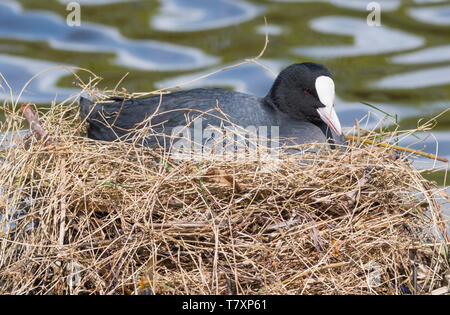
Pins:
x,y
300,103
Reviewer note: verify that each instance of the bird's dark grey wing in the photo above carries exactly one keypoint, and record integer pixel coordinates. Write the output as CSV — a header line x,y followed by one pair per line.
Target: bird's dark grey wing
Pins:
x,y
301,132
176,109
218,104
85,107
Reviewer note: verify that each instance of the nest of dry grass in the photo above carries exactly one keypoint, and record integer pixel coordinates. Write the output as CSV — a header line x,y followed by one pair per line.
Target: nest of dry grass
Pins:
x,y
110,218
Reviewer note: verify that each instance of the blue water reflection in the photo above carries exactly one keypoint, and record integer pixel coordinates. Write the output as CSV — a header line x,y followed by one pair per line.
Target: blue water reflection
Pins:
x,y
240,79
416,79
17,71
428,55
435,142
195,15
439,15
16,23
368,40
94,2
361,5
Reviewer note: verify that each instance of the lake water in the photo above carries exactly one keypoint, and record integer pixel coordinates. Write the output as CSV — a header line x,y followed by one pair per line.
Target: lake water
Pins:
x,y
401,66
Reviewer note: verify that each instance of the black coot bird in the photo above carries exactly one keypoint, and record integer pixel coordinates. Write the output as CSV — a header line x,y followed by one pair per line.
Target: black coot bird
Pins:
x,y
300,103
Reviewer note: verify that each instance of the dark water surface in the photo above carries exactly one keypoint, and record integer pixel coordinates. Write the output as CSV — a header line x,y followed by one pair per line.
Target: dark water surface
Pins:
x,y
402,66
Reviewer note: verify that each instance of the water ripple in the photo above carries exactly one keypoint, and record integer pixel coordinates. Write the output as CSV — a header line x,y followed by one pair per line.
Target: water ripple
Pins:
x,y
94,2
429,1
369,118
89,37
272,29
434,142
428,55
439,15
42,90
416,79
200,15
241,79
361,5
368,40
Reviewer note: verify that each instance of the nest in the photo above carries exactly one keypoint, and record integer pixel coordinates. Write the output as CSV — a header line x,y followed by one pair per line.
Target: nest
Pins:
x,y
115,218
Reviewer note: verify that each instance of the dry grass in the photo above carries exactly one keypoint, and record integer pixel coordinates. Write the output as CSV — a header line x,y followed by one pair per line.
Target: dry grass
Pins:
x,y
112,218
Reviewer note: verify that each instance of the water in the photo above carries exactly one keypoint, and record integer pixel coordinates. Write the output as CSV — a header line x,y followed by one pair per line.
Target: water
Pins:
x,y
402,66
433,15
42,26
366,40
201,15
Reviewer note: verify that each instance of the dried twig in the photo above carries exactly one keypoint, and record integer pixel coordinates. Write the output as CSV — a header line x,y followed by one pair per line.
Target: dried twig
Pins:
x,y
36,126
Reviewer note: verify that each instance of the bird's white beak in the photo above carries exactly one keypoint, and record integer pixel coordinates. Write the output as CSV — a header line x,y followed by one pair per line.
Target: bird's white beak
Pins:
x,y
325,92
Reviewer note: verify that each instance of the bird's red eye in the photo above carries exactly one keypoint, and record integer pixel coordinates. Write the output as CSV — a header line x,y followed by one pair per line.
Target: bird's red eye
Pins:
x,y
307,91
